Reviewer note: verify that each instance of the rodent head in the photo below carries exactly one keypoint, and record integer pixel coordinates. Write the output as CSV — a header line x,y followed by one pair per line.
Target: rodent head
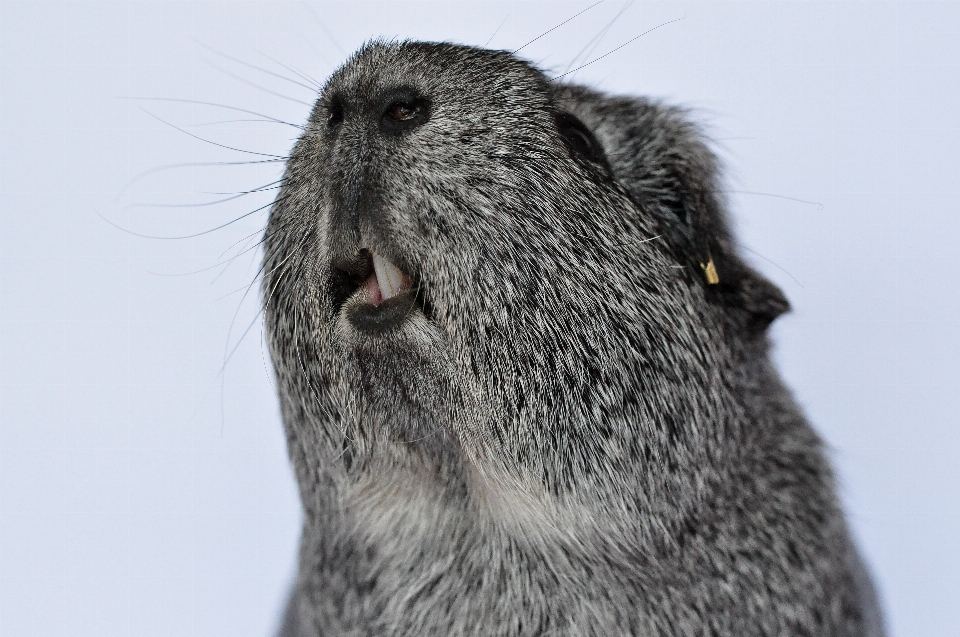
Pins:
x,y
552,328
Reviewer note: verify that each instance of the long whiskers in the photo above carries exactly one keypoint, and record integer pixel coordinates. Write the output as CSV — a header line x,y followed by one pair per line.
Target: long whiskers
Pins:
x,y
556,27
216,105
258,68
314,84
202,139
228,353
258,86
193,164
595,40
190,236
612,51
198,205
818,204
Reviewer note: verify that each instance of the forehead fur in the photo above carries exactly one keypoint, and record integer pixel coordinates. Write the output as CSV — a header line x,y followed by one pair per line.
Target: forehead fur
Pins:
x,y
439,70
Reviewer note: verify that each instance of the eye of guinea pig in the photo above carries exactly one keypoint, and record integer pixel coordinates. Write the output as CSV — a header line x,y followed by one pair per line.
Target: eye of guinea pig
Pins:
x,y
580,140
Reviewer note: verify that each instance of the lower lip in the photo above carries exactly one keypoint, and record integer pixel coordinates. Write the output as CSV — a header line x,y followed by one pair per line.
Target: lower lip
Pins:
x,y
383,317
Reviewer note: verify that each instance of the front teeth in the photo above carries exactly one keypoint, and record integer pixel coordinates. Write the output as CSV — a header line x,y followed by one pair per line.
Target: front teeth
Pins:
x,y
390,278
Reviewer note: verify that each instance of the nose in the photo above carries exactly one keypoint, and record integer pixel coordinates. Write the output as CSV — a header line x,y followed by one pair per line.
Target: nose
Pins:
x,y
365,132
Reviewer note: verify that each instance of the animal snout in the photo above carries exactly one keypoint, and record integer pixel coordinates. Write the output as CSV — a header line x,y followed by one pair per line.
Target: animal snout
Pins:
x,y
368,135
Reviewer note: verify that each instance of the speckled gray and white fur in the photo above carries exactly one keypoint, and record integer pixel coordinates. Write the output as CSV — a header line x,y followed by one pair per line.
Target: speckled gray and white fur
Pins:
x,y
572,432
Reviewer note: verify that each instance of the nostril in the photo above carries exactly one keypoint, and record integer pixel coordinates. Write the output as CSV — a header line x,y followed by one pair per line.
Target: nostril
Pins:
x,y
335,113
404,111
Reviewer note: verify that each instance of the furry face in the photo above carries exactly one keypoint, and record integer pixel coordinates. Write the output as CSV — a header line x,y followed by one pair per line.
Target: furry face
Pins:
x,y
523,371
544,297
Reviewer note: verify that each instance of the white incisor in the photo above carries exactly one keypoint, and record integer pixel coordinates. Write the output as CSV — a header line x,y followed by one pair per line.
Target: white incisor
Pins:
x,y
390,278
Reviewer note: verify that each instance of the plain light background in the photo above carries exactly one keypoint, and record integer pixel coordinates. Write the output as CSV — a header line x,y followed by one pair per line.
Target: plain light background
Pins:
x,y
144,485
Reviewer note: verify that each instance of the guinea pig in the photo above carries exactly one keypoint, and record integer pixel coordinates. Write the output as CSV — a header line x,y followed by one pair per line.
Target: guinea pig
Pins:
x,y
524,374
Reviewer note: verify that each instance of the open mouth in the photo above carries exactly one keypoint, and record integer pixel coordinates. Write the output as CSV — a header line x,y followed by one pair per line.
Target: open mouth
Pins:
x,y
388,295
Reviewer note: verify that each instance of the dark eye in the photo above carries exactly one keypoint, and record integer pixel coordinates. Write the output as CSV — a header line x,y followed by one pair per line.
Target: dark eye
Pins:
x,y
580,140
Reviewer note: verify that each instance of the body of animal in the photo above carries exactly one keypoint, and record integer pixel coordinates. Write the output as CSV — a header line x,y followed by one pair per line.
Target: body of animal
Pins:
x,y
524,373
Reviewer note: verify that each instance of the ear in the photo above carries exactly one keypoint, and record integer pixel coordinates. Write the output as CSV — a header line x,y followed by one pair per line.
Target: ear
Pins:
x,y
659,156
742,290
696,223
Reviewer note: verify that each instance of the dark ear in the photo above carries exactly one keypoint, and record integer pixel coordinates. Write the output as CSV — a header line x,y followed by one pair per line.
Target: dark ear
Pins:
x,y
743,290
581,141
658,155
697,226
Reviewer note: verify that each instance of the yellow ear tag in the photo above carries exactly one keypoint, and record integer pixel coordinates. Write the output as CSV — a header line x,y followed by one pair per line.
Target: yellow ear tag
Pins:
x,y
710,271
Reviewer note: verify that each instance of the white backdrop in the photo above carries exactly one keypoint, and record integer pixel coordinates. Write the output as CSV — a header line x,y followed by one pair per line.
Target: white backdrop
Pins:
x,y
144,486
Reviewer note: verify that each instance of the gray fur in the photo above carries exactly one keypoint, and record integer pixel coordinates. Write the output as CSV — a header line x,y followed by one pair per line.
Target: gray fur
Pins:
x,y
582,436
